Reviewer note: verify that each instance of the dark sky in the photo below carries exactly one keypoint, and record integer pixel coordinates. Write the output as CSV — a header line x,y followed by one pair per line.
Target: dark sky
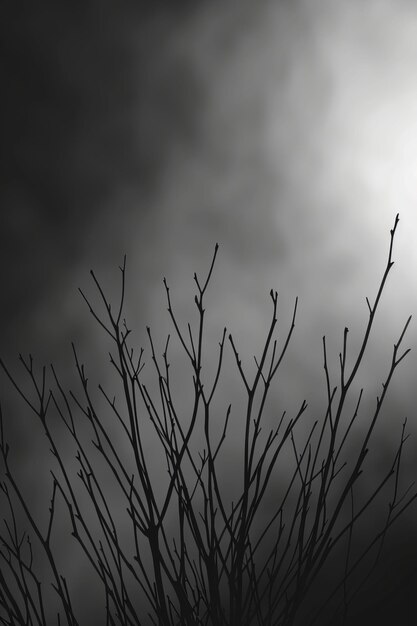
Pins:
x,y
285,131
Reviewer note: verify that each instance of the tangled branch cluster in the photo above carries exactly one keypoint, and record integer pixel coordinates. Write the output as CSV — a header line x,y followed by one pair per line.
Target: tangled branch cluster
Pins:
x,y
193,556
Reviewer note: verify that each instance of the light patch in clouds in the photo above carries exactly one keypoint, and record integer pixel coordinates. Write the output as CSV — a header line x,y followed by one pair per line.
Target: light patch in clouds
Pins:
x,y
301,154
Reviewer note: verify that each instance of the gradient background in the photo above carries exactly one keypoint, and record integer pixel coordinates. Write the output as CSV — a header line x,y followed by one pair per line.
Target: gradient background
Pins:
x,y
286,131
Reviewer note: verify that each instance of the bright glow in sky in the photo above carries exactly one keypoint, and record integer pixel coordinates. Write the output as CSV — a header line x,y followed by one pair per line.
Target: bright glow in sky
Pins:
x,y
305,148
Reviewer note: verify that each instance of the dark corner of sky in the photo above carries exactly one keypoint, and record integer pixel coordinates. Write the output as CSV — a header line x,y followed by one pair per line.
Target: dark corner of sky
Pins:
x,y
91,104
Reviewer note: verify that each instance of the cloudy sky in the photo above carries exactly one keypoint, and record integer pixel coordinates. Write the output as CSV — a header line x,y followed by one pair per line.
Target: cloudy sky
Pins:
x,y
284,131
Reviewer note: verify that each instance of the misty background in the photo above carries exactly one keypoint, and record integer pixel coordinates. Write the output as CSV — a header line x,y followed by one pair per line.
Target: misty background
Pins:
x,y
284,131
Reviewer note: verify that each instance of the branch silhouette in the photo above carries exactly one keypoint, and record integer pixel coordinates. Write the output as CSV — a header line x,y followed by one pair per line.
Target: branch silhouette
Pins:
x,y
185,552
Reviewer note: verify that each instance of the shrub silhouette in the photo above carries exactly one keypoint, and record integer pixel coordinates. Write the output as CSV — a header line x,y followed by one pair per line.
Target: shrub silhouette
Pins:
x,y
174,547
